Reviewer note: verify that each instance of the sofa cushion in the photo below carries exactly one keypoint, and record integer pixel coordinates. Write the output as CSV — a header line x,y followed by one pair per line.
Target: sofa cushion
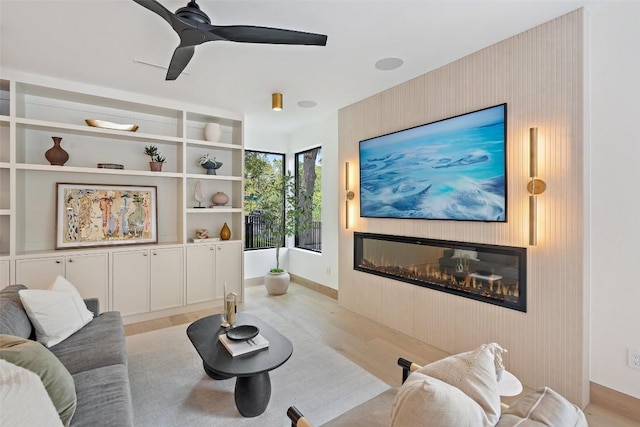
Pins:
x,y
543,407
54,314
13,317
474,373
104,397
36,358
423,400
23,399
100,343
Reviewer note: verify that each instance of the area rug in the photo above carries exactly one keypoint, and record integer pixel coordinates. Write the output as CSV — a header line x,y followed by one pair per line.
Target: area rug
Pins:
x,y
170,388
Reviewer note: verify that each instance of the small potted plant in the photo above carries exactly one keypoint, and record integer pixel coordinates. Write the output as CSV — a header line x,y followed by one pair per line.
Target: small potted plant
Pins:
x,y
209,163
156,158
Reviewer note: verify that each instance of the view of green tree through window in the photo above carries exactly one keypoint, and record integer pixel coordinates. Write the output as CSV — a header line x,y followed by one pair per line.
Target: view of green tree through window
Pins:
x,y
308,167
261,171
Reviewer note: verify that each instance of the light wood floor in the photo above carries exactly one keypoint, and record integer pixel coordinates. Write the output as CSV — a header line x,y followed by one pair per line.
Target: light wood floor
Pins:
x,y
374,347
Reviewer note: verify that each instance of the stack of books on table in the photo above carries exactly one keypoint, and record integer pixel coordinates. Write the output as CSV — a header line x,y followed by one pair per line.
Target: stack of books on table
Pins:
x,y
236,348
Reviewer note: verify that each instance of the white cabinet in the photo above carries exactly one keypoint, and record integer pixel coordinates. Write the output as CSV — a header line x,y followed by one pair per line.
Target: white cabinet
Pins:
x,y
130,272
167,278
229,268
39,273
201,273
5,276
210,267
147,279
88,272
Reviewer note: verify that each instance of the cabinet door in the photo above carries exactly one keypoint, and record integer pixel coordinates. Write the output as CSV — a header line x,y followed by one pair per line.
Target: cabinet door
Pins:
x,y
229,269
130,274
166,278
39,273
4,273
201,271
89,273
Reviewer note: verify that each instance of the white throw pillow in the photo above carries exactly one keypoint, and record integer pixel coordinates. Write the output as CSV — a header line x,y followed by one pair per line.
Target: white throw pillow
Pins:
x,y
23,399
56,313
423,400
474,373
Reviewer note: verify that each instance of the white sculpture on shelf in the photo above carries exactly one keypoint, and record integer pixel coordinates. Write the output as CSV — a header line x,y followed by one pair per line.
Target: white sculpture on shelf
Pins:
x,y
198,194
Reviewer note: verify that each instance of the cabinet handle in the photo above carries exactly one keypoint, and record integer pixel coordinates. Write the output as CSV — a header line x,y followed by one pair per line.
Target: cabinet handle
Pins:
x,y
155,253
211,248
70,260
57,261
145,254
219,248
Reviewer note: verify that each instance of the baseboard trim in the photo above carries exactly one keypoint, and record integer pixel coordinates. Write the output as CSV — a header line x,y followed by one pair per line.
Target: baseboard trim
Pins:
x,y
324,290
621,403
254,281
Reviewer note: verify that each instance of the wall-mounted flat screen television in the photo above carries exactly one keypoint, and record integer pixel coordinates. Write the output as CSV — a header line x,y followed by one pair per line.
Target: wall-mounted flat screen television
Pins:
x,y
452,169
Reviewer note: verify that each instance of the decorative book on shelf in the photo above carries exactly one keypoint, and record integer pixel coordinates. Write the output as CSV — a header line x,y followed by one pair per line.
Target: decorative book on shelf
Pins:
x,y
208,239
237,348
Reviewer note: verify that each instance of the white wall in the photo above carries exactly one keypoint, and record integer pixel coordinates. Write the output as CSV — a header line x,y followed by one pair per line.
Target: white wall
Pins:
x,y
321,267
615,204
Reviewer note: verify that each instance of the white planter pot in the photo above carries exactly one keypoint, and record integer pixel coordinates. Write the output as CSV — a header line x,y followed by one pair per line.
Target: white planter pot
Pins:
x,y
277,283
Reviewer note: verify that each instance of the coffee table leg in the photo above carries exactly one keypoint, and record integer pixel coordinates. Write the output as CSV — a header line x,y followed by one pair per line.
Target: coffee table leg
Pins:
x,y
253,394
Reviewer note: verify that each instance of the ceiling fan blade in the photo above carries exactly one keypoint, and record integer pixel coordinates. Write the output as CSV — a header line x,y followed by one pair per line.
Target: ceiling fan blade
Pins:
x,y
181,57
156,7
251,34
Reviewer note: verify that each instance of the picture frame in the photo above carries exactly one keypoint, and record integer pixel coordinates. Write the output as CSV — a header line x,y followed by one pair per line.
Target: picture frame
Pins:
x,y
91,215
451,169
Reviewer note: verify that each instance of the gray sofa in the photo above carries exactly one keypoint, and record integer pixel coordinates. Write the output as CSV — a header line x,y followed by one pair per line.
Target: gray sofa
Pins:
x,y
95,356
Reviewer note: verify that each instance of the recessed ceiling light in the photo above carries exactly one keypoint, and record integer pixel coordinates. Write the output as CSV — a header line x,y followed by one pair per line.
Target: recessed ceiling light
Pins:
x,y
386,64
307,104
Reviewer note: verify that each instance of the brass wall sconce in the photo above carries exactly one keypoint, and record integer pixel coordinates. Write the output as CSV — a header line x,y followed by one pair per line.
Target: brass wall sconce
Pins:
x,y
535,186
276,101
350,195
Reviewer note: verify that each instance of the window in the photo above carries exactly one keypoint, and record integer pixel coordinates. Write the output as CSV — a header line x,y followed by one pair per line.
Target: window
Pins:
x,y
309,193
261,170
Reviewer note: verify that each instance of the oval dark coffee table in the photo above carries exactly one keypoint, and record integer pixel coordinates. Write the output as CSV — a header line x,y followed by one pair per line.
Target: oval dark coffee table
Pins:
x,y
253,384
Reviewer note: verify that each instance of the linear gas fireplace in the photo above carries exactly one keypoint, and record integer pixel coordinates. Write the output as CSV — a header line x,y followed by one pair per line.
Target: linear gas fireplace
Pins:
x,y
492,274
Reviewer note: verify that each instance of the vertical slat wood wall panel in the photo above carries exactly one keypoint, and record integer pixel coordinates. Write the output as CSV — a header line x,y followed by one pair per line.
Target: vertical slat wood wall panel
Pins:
x,y
539,74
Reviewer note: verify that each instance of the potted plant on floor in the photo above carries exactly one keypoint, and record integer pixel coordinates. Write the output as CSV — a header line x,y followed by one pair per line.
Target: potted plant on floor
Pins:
x,y
282,211
157,159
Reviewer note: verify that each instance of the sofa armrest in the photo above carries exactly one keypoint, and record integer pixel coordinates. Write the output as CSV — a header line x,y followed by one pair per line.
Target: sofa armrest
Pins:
x,y
297,419
93,304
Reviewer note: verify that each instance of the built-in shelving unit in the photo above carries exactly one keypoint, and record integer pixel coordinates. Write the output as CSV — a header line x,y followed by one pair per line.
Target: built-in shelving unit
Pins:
x,y
35,109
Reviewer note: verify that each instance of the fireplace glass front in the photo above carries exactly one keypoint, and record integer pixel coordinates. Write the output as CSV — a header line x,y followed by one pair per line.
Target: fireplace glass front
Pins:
x,y
488,273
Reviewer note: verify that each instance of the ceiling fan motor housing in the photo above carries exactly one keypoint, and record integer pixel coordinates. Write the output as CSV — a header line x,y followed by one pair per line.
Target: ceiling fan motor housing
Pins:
x,y
192,11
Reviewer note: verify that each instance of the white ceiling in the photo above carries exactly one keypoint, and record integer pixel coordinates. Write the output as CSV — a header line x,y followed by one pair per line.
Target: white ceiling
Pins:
x,y
97,41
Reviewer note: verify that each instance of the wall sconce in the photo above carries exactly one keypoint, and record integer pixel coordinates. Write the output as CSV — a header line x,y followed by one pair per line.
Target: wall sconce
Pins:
x,y
535,186
350,195
276,101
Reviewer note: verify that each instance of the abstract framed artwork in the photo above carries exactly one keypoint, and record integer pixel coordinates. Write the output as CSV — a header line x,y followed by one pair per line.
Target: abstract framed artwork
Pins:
x,y
105,215
452,169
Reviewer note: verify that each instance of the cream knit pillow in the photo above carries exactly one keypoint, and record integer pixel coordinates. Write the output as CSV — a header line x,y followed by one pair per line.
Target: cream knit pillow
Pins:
x,y
426,401
474,373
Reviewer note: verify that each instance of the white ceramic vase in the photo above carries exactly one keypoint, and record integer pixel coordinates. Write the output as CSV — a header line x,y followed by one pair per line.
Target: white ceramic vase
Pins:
x,y
212,132
277,283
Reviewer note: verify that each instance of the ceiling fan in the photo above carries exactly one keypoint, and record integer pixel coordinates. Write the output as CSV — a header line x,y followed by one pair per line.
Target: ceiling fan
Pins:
x,y
194,27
